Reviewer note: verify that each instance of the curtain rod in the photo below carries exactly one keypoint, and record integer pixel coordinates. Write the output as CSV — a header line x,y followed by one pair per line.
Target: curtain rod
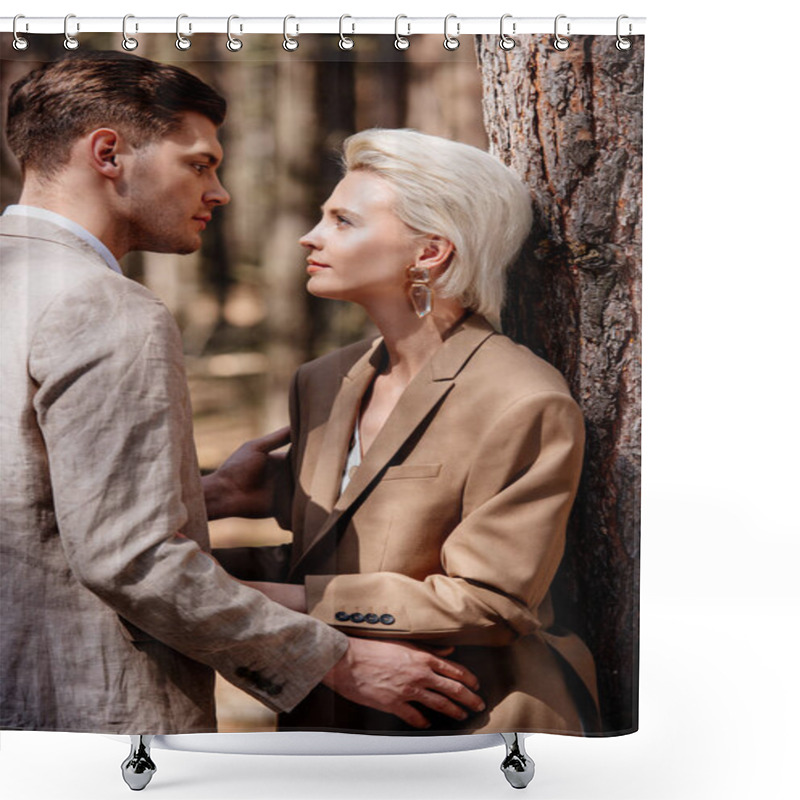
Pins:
x,y
298,25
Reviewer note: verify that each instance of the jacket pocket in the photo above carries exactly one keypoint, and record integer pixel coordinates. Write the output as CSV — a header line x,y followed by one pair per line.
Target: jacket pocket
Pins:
x,y
406,471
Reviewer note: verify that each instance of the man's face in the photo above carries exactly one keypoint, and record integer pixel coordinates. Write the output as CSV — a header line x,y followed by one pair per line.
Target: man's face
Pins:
x,y
172,188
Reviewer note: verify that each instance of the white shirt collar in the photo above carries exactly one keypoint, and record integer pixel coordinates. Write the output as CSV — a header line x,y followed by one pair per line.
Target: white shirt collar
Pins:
x,y
67,224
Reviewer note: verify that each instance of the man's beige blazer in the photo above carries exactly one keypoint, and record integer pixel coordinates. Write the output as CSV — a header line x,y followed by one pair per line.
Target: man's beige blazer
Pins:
x,y
112,614
451,529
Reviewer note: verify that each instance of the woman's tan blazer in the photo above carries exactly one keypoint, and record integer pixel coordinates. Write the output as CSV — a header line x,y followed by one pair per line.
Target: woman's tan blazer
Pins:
x,y
451,529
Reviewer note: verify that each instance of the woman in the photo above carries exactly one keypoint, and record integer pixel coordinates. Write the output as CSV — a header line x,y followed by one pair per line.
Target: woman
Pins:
x,y
433,469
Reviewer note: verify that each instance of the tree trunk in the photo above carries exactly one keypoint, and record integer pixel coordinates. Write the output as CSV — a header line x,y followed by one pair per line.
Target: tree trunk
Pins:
x,y
570,124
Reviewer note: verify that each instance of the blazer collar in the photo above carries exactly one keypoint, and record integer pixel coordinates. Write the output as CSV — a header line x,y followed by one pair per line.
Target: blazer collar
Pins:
x,y
467,335
464,340
419,401
28,227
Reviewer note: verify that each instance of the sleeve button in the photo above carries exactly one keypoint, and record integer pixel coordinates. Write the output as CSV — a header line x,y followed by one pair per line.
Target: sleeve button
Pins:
x,y
372,619
342,616
387,619
356,617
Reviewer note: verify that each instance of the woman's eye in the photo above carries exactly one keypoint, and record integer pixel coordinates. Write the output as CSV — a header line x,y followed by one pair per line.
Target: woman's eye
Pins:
x,y
342,220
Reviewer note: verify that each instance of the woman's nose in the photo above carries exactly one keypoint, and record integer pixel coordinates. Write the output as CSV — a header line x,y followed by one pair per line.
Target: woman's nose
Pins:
x,y
310,239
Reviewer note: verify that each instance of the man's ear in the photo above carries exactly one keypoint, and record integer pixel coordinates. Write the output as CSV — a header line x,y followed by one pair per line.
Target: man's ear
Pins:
x,y
104,148
437,253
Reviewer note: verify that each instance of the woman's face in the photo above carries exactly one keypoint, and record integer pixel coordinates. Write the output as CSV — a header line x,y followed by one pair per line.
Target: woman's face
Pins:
x,y
360,249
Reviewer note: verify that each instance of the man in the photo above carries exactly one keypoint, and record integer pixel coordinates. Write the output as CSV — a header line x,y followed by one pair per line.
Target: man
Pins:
x,y
113,613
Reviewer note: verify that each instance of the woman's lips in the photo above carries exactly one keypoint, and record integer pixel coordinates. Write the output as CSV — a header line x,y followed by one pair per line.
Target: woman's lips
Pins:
x,y
315,266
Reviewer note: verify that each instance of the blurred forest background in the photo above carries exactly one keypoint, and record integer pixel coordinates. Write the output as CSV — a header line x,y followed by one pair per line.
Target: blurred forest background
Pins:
x,y
246,319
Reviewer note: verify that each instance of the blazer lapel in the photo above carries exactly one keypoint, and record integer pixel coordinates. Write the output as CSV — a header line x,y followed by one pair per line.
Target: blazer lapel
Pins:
x,y
419,400
332,455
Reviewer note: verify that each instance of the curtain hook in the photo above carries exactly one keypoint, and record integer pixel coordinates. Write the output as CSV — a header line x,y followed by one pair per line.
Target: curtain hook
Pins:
x,y
182,43
233,44
451,42
128,42
560,43
622,42
70,42
345,42
290,43
20,42
400,42
506,42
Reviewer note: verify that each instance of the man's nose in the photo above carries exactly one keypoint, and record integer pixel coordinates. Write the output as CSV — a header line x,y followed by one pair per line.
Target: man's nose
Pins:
x,y
218,194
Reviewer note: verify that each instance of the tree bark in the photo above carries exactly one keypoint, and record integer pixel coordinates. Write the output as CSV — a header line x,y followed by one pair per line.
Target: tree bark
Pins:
x,y
570,124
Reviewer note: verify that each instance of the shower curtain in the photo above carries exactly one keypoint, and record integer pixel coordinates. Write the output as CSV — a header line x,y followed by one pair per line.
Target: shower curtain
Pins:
x,y
567,121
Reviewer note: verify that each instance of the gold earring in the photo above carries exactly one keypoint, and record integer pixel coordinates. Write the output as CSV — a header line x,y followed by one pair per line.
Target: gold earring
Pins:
x,y
420,292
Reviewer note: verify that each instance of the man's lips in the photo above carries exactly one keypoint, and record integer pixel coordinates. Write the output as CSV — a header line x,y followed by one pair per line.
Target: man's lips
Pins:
x,y
203,219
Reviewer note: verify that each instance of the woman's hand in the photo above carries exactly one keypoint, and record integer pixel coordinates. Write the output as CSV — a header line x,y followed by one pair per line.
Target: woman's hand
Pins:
x,y
248,483
389,676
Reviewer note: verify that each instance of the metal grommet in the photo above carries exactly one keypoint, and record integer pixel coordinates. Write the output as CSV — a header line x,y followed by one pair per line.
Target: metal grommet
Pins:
x,y
70,42
451,42
506,42
182,43
233,44
20,42
128,42
400,42
290,43
345,42
560,43
622,42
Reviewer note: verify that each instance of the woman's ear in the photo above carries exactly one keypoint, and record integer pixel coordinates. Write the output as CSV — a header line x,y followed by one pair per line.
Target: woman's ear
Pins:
x,y
104,146
437,253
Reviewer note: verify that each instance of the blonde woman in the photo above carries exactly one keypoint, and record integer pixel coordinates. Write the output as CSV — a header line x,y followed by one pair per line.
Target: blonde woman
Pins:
x,y
432,469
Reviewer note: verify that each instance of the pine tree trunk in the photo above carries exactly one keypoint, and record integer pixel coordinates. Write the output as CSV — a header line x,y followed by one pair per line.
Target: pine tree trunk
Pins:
x,y
570,124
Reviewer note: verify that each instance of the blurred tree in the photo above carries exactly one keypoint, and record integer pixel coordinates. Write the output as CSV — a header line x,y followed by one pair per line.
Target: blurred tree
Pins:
x,y
570,124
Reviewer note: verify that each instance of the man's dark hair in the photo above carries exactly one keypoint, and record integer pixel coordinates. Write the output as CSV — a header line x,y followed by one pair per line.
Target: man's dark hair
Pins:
x,y
58,103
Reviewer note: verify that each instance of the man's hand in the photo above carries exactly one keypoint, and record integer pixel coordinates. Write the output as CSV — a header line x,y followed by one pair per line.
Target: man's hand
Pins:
x,y
247,483
388,676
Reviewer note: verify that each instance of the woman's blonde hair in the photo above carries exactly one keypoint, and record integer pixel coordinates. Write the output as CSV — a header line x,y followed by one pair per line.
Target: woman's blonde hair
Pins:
x,y
456,191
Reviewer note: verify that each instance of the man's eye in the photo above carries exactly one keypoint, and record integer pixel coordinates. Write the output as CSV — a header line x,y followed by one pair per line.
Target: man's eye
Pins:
x,y
200,168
